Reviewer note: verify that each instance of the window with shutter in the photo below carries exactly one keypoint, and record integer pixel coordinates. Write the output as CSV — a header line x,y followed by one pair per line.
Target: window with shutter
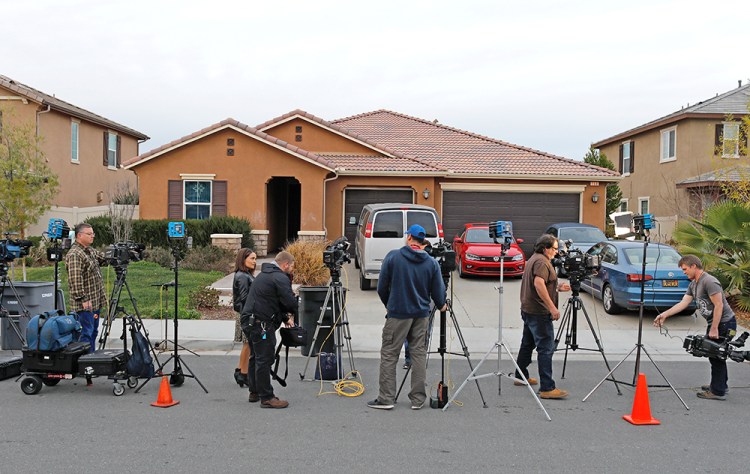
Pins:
x,y
626,162
197,199
730,140
111,149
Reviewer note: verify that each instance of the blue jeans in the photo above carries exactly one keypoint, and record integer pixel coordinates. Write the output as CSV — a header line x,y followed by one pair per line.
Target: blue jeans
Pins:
x,y
719,377
538,333
89,327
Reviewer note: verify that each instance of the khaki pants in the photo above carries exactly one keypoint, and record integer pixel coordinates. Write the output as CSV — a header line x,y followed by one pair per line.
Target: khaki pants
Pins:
x,y
395,332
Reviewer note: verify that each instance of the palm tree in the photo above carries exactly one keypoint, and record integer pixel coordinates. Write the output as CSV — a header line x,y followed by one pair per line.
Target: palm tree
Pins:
x,y
722,241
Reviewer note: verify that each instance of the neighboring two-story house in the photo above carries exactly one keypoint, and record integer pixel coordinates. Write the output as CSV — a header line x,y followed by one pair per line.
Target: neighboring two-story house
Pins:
x,y
84,149
672,166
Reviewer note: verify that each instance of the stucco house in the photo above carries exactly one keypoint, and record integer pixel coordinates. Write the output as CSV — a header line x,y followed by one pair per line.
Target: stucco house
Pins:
x,y
84,149
299,176
672,166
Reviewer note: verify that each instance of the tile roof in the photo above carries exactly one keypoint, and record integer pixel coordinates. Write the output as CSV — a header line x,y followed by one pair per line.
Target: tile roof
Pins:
x,y
56,104
734,173
364,140
377,164
734,102
465,153
229,123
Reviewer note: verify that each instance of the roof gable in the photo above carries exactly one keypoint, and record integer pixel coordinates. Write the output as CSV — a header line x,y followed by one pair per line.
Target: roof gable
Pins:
x,y
235,125
54,103
464,153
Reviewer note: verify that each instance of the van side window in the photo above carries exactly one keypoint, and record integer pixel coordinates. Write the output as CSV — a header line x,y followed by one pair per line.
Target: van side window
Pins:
x,y
388,225
425,219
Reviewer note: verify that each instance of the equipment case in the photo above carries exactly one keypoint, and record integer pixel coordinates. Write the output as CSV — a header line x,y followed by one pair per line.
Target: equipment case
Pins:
x,y
62,361
10,367
108,362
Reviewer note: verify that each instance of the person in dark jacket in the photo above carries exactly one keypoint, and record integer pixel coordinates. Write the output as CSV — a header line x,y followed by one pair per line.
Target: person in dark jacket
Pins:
x,y
244,268
269,303
409,278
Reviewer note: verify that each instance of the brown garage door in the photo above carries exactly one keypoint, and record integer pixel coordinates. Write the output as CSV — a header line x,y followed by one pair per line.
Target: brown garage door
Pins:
x,y
530,213
356,199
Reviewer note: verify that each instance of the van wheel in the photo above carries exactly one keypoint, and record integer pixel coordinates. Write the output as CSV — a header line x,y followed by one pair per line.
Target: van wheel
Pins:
x,y
364,283
356,262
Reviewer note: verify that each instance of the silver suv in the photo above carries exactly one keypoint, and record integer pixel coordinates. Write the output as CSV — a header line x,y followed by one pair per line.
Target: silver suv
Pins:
x,y
381,229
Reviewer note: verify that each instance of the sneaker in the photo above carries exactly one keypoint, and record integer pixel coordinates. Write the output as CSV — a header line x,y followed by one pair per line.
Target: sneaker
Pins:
x,y
553,394
379,405
274,403
707,388
521,383
709,395
407,365
416,406
253,397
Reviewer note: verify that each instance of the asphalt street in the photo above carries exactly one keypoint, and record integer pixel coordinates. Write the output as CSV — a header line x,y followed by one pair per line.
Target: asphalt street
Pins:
x,y
72,428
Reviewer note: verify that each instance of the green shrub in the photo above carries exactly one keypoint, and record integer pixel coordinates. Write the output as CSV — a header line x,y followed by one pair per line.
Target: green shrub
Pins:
x,y
153,233
209,258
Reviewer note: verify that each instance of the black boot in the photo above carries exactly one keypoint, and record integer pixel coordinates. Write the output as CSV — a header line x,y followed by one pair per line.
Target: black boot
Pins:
x,y
239,378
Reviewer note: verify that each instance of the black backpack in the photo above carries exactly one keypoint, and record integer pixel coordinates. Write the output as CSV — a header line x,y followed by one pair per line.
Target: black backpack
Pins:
x,y
294,336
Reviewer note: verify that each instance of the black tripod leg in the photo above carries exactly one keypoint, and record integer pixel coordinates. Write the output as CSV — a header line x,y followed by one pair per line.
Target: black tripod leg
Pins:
x,y
565,324
192,375
599,345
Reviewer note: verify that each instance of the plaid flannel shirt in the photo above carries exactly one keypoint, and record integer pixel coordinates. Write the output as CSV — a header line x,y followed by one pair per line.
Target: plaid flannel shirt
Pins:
x,y
85,277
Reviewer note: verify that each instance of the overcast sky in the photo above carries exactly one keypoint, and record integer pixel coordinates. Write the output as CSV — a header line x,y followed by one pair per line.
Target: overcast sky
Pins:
x,y
554,76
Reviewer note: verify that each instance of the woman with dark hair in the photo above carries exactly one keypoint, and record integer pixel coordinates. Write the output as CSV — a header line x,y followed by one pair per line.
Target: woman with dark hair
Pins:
x,y
243,278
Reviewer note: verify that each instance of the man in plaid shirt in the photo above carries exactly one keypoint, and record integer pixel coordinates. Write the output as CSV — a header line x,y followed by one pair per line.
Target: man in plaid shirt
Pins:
x,y
85,283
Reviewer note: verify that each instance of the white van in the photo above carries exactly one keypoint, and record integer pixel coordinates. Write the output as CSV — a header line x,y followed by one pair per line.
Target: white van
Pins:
x,y
381,229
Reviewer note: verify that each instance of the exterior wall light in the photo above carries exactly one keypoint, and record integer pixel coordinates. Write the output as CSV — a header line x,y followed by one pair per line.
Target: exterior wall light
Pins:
x,y
426,193
595,197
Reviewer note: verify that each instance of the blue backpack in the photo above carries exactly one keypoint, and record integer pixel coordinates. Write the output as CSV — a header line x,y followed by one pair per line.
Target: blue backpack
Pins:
x,y
52,331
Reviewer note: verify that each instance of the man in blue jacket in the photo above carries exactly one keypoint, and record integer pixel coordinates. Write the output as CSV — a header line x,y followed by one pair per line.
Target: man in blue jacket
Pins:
x,y
409,279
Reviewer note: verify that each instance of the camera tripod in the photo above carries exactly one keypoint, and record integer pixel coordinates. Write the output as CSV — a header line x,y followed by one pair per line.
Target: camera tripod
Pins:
x,y
569,322
442,350
7,283
177,377
339,327
639,347
499,344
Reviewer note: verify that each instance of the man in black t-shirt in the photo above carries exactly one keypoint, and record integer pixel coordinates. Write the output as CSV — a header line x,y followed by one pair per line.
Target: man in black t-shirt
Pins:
x,y
706,290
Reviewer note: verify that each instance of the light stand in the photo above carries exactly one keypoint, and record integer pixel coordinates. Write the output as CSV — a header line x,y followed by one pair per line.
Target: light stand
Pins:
x,y
641,228
502,229
442,349
176,233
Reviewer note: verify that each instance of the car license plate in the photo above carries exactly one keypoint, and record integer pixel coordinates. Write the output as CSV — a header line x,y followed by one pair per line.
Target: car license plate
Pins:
x,y
669,283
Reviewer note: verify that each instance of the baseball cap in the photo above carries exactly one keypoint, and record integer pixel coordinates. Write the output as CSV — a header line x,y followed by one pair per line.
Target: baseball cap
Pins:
x,y
416,231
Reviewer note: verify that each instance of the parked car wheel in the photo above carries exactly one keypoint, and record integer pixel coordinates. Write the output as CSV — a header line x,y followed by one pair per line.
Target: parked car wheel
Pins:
x,y
364,283
461,272
608,301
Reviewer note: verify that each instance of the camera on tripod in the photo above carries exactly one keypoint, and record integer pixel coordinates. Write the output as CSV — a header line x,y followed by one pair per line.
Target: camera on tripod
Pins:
x,y
444,254
336,254
702,346
577,264
122,253
11,249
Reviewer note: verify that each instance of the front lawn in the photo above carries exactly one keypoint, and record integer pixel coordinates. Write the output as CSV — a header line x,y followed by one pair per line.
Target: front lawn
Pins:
x,y
140,277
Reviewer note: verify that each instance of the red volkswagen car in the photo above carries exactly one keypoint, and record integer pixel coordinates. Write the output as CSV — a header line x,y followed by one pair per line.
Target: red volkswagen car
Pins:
x,y
478,254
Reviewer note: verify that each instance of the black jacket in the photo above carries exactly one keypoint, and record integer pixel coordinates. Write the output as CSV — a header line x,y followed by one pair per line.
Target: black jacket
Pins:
x,y
240,289
270,295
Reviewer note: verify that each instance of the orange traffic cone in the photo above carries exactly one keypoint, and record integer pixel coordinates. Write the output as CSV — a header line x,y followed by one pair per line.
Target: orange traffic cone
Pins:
x,y
641,410
164,399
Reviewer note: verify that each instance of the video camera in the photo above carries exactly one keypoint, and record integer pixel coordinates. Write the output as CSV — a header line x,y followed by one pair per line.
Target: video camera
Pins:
x,y
122,253
577,264
445,255
336,254
11,249
702,346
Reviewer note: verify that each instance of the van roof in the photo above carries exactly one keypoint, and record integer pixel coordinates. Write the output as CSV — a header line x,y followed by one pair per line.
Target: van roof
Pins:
x,y
398,205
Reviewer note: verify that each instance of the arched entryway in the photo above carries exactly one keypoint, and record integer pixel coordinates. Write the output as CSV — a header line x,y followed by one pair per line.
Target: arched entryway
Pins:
x,y
284,197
